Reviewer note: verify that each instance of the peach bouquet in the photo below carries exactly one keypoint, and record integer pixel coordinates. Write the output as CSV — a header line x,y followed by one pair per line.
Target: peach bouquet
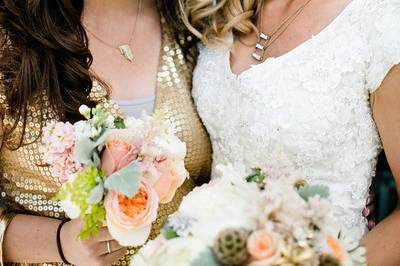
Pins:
x,y
115,171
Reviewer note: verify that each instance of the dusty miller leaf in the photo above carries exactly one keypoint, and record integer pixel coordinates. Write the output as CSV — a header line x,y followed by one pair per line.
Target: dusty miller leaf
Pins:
x,y
307,192
125,181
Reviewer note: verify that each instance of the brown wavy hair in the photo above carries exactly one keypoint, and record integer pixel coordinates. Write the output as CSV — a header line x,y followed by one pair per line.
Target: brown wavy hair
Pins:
x,y
211,20
45,51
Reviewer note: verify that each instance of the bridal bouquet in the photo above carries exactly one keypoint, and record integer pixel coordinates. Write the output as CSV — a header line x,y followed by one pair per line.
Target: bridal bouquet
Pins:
x,y
252,221
115,171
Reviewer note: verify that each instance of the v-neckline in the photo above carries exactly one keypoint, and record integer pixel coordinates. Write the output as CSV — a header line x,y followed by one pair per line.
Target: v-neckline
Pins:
x,y
288,54
113,102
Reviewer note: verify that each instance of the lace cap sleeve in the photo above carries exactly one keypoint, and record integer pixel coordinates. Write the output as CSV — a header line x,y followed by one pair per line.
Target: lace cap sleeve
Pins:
x,y
384,40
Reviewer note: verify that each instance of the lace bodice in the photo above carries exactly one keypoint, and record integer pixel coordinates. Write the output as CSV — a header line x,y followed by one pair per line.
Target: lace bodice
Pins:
x,y
312,103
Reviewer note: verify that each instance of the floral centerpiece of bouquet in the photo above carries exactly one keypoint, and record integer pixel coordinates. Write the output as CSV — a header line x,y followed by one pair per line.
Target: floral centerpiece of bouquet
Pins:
x,y
253,221
115,171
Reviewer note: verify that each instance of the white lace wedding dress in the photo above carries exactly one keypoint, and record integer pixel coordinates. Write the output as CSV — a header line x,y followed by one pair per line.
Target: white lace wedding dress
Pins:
x,y
313,103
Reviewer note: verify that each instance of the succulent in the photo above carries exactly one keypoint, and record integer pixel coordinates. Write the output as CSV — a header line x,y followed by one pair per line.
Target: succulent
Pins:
x,y
230,247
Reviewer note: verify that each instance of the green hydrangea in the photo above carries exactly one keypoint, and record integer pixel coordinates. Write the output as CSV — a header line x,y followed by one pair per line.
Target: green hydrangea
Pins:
x,y
93,214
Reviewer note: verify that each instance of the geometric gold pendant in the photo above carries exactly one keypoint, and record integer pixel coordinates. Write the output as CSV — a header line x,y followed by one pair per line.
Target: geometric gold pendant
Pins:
x,y
260,47
126,52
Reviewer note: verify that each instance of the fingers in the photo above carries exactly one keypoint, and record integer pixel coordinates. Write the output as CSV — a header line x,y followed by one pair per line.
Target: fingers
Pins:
x,y
113,257
113,245
104,235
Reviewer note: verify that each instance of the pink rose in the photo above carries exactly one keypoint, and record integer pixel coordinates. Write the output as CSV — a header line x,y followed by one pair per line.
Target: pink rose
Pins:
x,y
263,246
172,174
129,219
116,155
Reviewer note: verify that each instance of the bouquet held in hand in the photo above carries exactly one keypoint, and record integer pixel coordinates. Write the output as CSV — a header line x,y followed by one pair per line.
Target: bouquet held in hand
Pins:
x,y
115,171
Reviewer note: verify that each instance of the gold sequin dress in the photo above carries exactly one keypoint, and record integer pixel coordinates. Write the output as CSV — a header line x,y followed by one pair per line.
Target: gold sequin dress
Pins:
x,y
27,185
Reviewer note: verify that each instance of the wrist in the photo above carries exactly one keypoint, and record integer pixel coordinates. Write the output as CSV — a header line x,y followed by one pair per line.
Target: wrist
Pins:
x,y
61,243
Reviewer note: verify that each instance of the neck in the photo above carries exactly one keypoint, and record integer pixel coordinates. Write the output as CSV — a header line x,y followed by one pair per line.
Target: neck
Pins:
x,y
277,8
97,12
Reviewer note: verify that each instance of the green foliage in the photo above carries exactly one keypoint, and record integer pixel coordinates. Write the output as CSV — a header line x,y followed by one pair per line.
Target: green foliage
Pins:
x,y
256,176
93,221
206,258
307,192
119,123
168,233
125,181
78,191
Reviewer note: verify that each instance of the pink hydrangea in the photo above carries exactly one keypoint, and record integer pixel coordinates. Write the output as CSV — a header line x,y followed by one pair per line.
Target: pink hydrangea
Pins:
x,y
58,146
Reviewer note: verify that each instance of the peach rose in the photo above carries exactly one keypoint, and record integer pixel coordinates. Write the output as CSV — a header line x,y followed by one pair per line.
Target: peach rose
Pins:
x,y
129,219
172,174
262,245
116,155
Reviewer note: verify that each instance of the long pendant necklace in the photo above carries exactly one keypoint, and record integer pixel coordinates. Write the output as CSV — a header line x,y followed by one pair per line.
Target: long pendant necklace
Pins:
x,y
125,48
265,41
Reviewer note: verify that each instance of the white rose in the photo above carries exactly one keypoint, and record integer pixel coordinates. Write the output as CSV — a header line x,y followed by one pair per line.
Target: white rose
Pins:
x,y
220,205
175,252
172,147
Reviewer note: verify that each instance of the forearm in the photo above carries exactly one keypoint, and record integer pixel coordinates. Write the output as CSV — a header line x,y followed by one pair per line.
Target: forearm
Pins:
x,y
383,242
31,239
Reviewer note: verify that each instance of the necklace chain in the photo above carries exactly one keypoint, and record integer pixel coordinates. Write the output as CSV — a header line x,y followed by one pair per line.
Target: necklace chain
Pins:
x,y
265,41
125,48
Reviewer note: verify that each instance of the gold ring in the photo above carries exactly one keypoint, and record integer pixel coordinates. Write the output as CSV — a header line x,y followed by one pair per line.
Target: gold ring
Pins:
x,y
108,247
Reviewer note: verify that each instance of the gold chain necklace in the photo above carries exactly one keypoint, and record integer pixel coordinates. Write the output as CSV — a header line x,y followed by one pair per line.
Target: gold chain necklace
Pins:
x,y
265,40
125,48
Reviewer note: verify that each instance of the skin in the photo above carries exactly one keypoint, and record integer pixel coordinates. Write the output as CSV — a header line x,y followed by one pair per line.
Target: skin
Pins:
x,y
382,242
113,22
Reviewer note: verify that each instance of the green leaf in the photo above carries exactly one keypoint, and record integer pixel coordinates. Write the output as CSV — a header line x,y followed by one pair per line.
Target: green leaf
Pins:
x,y
307,192
257,176
93,221
86,148
125,181
168,233
206,258
119,123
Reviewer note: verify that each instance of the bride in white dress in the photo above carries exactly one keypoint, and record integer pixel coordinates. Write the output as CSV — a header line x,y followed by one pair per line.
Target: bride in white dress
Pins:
x,y
326,91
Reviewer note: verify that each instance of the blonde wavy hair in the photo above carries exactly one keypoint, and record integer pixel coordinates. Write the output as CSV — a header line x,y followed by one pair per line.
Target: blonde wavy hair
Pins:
x,y
211,20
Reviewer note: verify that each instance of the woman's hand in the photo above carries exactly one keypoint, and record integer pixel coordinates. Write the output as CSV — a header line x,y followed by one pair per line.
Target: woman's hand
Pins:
x,y
93,251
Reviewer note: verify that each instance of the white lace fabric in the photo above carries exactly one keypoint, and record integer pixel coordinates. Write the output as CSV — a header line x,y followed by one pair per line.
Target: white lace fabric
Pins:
x,y
312,103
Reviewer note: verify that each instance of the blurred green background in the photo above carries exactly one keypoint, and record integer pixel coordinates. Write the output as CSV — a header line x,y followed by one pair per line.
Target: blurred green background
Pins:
x,y
385,190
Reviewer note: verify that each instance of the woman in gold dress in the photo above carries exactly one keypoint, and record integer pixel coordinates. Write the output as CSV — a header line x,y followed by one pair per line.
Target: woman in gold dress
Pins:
x,y
57,55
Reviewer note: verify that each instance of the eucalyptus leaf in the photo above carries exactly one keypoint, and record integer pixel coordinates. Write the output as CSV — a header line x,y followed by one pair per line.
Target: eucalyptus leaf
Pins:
x,y
307,192
86,148
119,123
206,258
169,233
256,176
125,181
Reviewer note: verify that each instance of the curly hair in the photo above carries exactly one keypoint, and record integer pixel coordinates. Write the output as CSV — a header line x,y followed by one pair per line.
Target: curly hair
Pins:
x,y
211,20
45,51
